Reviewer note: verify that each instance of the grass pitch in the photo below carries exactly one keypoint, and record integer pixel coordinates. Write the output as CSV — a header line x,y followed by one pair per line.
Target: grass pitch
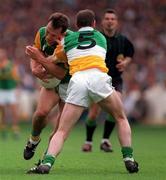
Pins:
x,y
72,164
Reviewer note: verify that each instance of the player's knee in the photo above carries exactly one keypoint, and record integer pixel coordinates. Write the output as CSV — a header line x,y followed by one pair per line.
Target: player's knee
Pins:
x,y
92,117
41,113
93,113
120,117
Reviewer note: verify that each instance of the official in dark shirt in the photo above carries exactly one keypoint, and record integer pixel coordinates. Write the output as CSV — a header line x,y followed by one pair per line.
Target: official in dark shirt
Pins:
x,y
120,52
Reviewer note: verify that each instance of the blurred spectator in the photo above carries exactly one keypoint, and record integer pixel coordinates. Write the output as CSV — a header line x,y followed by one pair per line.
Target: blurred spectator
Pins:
x,y
9,79
156,98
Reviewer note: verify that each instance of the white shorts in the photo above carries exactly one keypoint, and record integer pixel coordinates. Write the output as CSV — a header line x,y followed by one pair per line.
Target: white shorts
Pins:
x,y
89,85
62,91
7,97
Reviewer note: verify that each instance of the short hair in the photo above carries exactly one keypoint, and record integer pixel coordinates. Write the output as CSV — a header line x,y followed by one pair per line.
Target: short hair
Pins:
x,y
85,18
59,20
111,11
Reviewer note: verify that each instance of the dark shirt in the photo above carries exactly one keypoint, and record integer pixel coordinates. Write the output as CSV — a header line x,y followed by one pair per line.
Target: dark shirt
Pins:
x,y
117,45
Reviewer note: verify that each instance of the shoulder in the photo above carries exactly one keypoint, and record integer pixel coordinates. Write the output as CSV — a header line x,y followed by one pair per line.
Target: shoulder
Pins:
x,y
99,34
69,32
122,36
40,36
125,39
42,31
70,35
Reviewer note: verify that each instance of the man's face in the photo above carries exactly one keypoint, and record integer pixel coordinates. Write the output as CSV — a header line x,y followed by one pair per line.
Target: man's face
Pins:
x,y
110,22
52,35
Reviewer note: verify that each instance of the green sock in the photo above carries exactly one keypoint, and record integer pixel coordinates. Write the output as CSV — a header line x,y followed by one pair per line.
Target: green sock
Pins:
x,y
35,133
90,122
90,128
127,152
48,160
110,118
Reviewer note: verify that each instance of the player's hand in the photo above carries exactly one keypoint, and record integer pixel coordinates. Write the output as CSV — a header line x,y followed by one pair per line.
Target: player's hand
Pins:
x,y
34,53
41,73
122,64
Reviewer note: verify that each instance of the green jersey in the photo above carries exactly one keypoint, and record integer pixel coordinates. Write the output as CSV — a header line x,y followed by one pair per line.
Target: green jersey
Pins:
x,y
7,77
41,43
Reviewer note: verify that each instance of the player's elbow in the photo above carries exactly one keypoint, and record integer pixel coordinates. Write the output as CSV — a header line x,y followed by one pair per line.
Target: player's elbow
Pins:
x,y
34,72
61,74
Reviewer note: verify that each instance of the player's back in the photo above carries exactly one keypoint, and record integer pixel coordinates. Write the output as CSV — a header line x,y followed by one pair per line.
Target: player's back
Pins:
x,y
85,49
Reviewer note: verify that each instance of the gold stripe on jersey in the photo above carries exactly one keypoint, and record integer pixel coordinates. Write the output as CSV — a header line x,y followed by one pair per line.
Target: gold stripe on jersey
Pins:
x,y
60,55
37,42
87,62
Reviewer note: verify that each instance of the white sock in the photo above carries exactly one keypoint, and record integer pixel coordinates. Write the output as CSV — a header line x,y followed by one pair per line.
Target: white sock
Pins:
x,y
105,140
88,142
128,159
33,142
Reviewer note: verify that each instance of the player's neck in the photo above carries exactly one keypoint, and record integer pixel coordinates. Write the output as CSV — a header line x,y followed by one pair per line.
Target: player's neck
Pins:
x,y
109,33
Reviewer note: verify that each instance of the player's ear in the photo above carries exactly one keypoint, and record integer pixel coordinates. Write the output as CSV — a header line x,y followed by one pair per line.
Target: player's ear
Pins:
x,y
63,34
94,23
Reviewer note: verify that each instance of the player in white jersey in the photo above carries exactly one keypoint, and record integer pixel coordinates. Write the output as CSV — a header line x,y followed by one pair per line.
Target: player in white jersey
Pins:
x,y
85,51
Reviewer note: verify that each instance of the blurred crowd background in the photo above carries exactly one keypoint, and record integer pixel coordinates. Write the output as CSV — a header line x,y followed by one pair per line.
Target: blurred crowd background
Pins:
x,y
143,22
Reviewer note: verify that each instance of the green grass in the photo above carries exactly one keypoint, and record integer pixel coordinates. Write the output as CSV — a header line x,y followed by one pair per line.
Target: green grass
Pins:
x,y
149,149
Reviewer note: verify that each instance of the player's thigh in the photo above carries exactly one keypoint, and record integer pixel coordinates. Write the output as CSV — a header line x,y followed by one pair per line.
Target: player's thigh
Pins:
x,y
70,115
113,105
48,98
56,115
119,94
77,91
94,111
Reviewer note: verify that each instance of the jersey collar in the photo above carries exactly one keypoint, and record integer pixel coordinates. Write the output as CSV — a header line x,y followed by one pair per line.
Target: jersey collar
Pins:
x,y
88,28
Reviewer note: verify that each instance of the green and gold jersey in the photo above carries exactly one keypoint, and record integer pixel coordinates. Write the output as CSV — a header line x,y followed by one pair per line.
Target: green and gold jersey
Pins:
x,y
8,76
85,49
41,43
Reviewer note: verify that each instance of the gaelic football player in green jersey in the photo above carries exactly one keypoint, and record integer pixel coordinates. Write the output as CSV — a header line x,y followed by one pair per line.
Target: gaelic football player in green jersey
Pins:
x,y
9,78
46,41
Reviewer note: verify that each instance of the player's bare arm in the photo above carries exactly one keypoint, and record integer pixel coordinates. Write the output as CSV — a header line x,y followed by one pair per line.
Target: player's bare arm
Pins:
x,y
48,64
38,71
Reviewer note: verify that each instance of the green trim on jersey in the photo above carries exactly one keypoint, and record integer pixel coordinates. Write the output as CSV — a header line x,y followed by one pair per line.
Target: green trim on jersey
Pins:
x,y
68,32
45,47
82,38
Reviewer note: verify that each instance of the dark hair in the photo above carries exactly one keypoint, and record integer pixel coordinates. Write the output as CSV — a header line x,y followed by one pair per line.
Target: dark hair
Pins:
x,y
111,11
59,20
85,18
